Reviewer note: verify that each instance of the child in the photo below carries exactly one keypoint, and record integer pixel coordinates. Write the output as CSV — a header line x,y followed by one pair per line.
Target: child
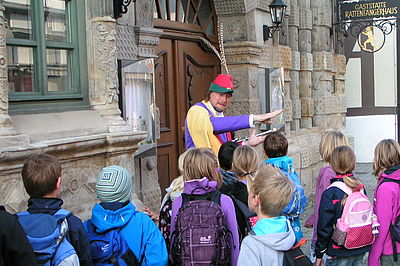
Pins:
x,y
114,188
276,149
269,193
329,141
173,191
244,166
14,247
333,199
202,180
386,201
41,175
225,157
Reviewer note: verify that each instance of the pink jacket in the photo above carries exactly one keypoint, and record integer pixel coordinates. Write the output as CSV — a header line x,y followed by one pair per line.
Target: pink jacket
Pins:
x,y
324,180
386,208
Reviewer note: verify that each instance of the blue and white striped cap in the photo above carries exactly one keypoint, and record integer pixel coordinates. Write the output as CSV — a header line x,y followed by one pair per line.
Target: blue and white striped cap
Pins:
x,y
114,184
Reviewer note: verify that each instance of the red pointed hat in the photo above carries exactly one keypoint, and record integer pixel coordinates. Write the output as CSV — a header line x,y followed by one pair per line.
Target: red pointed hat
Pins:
x,y
222,83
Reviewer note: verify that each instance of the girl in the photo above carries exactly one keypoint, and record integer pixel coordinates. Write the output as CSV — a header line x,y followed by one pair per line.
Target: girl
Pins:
x,y
343,162
386,201
244,166
329,141
201,176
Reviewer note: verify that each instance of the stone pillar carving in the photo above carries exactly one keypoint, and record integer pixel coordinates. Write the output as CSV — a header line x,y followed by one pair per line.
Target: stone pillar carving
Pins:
x,y
294,72
104,89
306,64
6,127
328,102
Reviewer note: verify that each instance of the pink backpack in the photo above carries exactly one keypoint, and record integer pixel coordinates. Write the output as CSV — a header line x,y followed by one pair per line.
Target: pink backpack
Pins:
x,y
356,227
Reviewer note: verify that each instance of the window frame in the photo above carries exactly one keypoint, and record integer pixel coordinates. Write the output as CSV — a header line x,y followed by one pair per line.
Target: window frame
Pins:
x,y
40,99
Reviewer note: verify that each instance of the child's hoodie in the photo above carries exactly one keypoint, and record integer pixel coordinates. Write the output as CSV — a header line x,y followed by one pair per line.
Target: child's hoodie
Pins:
x,y
386,208
272,237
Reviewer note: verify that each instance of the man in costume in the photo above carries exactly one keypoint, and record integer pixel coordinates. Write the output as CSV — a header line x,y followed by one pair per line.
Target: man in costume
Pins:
x,y
206,125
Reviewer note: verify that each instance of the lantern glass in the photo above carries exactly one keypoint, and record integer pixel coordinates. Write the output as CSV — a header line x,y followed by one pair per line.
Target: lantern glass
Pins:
x,y
277,13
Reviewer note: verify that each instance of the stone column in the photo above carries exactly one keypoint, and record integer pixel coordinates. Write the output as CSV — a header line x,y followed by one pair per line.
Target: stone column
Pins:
x,y
8,135
294,72
306,64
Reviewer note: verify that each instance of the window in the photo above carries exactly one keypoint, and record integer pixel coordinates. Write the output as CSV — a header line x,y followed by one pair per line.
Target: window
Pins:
x,y
46,54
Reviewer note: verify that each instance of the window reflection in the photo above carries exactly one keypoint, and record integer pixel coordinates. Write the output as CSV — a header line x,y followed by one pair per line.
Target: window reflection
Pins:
x,y
58,72
18,18
55,19
20,69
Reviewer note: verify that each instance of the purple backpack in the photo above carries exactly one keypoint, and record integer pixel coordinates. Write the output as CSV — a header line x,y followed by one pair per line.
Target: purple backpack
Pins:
x,y
201,236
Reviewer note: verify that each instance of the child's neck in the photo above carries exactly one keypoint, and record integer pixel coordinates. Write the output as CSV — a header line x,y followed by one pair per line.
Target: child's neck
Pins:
x,y
262,216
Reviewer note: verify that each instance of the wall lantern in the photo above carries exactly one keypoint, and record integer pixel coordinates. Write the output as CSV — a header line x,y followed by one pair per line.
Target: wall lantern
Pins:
x,y
121,7
277,10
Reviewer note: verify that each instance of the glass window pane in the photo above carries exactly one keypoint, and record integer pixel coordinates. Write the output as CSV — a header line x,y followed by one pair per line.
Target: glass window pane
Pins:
x,y
20,69
18,18
58,70
56,20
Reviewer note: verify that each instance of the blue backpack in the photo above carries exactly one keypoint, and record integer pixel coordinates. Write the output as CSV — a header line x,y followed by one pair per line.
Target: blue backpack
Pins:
x,y
109,248
298,201
48,237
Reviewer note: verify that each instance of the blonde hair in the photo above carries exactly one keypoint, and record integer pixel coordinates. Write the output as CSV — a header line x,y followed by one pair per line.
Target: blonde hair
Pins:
x,y
386,155
199,163
343,162
180,161
245,162
273,188
329,141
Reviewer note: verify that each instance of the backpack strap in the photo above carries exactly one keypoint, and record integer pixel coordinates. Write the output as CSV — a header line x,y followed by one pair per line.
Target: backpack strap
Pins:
x,y
214,196
342,186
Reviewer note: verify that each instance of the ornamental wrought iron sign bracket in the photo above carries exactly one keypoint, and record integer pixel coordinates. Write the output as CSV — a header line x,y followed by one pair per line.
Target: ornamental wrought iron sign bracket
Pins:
x,y
121,7
369,21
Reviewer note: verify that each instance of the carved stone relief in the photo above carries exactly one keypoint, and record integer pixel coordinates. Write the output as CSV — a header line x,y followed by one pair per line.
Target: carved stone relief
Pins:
x,y
105,61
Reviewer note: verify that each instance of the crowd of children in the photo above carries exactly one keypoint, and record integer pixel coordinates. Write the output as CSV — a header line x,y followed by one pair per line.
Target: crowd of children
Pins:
x,y
224,209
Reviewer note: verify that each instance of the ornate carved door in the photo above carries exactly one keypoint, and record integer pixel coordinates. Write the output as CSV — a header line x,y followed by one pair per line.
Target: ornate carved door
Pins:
x,y
184,71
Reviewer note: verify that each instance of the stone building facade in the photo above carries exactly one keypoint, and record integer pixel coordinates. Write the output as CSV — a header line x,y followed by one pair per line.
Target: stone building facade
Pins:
x,y
87,139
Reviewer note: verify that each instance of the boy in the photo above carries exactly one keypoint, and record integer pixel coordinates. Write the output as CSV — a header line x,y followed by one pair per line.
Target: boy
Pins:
x,y
41,175
225,157
114,189
14,247
276,149
269,193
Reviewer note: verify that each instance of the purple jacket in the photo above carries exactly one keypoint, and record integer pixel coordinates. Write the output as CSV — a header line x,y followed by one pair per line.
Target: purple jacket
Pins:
x,y
386,208
226,205
323,182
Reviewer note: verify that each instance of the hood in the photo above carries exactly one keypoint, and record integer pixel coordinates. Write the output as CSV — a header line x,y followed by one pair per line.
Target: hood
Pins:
x,y
107,219
176,188
228,178
284,163
393,173
199,186
277,241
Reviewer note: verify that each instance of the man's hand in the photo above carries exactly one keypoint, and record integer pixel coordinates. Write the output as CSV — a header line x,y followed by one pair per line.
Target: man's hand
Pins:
x,y
254,140
266,118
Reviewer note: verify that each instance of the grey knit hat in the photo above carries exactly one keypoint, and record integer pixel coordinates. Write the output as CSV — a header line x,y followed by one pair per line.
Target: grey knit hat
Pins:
x,y
114,184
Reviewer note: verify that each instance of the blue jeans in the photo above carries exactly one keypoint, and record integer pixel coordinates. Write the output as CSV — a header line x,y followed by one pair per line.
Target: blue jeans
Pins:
x,y
348,261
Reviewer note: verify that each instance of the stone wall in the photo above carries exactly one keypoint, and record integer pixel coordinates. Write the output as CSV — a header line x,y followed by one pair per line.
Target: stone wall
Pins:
x,y
314,74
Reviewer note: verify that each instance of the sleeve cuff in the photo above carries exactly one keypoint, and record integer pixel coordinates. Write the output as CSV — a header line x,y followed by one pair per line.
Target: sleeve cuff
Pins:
x,y
251,121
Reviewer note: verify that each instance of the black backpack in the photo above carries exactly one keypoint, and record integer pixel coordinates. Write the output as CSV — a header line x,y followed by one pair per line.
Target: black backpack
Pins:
x,y
394,229
293,256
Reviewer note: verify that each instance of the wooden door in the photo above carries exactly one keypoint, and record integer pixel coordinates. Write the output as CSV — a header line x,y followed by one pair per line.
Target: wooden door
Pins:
x,y
184,71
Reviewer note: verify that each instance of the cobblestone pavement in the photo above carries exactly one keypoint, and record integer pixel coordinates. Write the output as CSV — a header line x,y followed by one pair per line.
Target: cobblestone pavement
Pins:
x,y
364,173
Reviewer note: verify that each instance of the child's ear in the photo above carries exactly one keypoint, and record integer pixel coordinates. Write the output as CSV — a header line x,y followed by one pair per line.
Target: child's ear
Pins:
x,y
58,184
257,199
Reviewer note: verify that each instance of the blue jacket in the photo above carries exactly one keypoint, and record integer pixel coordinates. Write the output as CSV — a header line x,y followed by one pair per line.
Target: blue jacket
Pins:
x,y
138,230
77,233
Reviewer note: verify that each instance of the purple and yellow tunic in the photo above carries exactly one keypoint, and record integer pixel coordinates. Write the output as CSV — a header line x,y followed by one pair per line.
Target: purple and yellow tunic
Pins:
x,y
203,129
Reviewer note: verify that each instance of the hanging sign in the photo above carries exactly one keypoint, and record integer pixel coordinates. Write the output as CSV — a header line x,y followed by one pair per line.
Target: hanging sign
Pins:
x,y
368,10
